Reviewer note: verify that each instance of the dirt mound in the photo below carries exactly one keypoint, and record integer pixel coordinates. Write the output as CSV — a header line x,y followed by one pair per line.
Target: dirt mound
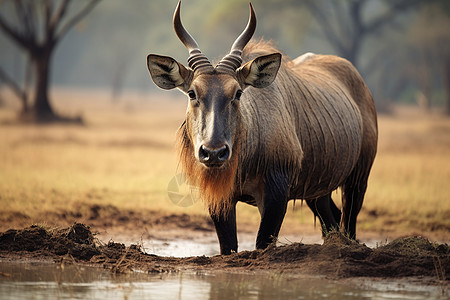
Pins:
x,y
341,257
338,257
76,240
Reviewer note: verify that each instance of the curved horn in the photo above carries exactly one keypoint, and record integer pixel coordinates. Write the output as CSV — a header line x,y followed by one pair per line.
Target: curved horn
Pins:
x,y
197,60
233,60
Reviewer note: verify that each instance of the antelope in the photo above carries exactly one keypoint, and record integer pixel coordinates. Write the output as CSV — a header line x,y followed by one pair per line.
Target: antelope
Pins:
x,y
263,129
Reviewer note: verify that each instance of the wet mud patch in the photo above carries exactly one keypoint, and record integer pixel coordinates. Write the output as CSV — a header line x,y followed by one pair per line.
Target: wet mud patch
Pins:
x,y
338,257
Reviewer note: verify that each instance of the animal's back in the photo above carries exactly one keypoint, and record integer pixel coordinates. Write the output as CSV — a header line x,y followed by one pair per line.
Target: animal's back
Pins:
x,y
307,124
330,126
358,93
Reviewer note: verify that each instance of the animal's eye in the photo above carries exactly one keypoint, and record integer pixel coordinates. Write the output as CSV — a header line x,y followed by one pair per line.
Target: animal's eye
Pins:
x,y
238,95
192,95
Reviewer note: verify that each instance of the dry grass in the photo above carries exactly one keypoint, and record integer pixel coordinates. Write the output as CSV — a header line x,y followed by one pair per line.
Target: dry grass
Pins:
x,y
125,157
408,185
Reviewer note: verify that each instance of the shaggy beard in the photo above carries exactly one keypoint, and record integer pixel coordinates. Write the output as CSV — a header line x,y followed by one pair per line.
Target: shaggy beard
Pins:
x,y
216,185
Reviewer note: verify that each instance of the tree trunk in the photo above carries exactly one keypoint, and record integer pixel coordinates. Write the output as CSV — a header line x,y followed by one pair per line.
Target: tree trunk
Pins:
x,y
25,107
446,83
40,110
41,103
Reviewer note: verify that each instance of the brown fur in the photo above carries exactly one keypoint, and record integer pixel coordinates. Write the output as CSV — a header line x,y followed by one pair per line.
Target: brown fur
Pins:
x,y
315,123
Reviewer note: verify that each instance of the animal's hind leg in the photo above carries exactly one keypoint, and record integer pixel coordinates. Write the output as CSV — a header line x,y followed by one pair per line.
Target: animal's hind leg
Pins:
x,y
337,214
354,190
272,209
327,212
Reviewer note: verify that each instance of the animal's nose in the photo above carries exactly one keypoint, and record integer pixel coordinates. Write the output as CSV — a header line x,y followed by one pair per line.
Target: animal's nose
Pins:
x,y
213,157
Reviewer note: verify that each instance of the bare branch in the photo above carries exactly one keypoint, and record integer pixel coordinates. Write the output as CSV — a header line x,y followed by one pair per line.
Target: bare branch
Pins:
x,y
31,19
389,16
26,18
344,27
18,37
325,25
48,10
13,85
56,19
75,19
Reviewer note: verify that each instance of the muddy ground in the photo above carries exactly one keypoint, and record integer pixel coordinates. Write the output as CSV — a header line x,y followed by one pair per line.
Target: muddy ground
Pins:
x,y
338,257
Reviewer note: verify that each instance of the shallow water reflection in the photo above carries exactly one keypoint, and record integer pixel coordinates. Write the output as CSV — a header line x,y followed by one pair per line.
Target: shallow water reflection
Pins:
x,y
53,281
207,244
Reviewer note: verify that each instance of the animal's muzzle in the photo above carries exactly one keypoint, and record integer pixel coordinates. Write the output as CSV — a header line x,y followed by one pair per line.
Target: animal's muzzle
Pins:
x,y
214,157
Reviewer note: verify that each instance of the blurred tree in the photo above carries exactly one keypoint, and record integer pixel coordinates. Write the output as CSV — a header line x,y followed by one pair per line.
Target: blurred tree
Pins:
x,y
37,26
429,40
442,43
281,20
418,58
346,25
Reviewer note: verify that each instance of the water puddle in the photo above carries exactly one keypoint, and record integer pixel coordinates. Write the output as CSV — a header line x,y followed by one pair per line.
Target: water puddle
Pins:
x,y
37,280
203,244
194,246
208,244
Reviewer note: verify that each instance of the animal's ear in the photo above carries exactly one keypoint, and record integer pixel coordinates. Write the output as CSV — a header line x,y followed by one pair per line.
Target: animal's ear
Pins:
x,y
261,71
167,73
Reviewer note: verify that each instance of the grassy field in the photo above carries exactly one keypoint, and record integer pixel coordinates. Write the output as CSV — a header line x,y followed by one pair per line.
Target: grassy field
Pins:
x,y
124,156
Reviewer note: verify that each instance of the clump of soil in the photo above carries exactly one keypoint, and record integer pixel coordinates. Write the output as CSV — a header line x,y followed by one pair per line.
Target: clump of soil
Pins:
x,y
76,240
338,257
341,257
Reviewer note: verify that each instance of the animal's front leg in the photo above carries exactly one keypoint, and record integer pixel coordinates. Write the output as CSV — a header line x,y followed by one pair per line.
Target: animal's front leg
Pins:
x,y
273,210
225,223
